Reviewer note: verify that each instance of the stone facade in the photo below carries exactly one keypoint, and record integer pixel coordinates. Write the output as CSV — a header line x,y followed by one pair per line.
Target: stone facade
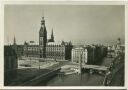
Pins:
x,y
54,50
60,50
79,52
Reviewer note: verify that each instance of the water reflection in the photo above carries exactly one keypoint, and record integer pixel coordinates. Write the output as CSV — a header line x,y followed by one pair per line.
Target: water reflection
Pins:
x,y
84,79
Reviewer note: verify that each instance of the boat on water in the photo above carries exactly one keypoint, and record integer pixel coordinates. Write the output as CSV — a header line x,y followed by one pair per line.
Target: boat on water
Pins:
x,y
67,70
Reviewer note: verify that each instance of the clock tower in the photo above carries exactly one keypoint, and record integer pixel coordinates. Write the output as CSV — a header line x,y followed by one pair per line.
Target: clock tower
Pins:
x,y
42,39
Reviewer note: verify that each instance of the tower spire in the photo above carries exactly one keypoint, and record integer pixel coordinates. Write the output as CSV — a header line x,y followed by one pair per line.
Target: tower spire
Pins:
x,y
52,36
43,13
43,21
14,41
52,33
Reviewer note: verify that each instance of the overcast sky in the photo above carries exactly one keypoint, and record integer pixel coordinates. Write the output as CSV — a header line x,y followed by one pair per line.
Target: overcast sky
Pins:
x,y
78,23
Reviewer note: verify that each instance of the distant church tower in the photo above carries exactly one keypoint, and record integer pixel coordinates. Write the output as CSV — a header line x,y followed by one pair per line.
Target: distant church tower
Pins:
x,y
14,41
14,46
43,38
52,37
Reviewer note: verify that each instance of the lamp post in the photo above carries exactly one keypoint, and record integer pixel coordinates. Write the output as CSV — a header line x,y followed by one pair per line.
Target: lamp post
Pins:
x,y
30,62
39,63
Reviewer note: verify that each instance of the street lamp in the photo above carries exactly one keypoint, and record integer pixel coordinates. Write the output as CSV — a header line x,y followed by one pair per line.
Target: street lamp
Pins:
x,y
39,63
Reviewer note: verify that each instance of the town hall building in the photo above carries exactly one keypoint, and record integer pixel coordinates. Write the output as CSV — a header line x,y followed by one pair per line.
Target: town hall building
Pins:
x,y
47,48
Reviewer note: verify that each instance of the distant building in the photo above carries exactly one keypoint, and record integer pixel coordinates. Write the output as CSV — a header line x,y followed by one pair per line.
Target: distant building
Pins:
x,y
10,64
119,47
90,54
115,49
79,52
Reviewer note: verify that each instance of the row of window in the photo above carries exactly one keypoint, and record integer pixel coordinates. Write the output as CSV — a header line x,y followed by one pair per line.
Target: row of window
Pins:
x,y
57,46
49,49
76,53
31,48
79,50
84,56
54,48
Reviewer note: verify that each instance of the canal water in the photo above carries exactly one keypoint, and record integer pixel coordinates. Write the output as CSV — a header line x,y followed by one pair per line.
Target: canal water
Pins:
x,y
84,79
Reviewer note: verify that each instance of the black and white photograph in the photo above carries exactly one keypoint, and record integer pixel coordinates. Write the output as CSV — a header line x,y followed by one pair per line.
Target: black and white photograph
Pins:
x,y
64,45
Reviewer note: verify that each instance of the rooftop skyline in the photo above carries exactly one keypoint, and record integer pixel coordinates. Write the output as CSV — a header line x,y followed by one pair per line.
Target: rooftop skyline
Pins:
x,y
76,23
